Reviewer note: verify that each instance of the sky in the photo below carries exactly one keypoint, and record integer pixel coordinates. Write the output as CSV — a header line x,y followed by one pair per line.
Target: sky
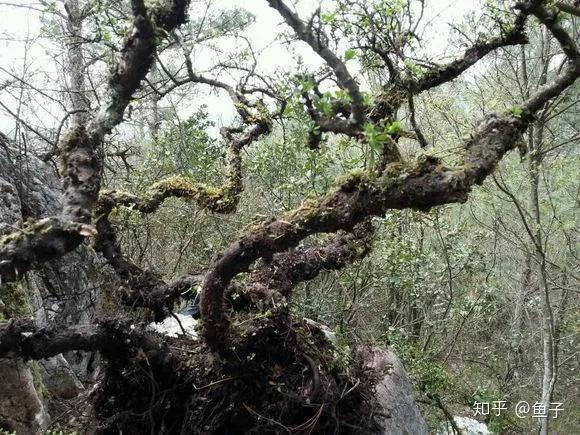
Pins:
x,y
20,22
438,12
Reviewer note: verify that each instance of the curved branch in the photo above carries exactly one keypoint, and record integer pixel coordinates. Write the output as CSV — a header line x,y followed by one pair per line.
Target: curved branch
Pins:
x,y
423,185
220,200
275,279
271,282
549,18
446,73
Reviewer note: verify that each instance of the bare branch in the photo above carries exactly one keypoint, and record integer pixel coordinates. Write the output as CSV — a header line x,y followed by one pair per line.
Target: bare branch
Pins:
x,y
472,55
549,18
568,8
420,137
345,80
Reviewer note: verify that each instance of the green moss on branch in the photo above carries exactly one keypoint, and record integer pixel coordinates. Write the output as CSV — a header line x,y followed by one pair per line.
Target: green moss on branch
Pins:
x,y
14,301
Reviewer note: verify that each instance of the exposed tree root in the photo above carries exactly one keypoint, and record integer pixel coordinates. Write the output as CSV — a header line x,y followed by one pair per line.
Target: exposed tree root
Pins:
x,y
280,376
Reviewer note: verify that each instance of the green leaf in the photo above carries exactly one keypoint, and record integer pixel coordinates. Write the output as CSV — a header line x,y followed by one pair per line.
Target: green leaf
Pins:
x,y
382,137
395,127
349,54
329,18
517,112
368,99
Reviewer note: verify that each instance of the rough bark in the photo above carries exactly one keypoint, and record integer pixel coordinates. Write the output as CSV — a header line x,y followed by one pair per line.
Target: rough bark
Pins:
x,y
60,292
272,282
376,399
423,185
23,338
271,339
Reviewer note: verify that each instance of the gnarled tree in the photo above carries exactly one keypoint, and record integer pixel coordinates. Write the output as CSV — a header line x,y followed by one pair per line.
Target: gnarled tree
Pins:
x,y
250,345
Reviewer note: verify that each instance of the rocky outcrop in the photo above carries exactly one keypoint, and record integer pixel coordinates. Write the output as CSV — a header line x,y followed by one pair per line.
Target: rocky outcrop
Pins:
x,y
21,410
58,378
61,292
397,411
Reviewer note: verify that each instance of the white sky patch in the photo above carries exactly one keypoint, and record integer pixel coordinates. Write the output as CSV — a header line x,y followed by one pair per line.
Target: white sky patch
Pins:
x,y
20,24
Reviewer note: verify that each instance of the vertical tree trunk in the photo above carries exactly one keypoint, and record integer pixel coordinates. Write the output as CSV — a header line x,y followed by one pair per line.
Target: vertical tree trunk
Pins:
x,y
539,266
74,66
155,118
538,256
518,317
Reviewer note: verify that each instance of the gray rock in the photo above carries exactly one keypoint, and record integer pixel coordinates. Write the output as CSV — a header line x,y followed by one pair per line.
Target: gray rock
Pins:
x,y
398,413
58,378
64,291
10,214
467,426
60,292
21,410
